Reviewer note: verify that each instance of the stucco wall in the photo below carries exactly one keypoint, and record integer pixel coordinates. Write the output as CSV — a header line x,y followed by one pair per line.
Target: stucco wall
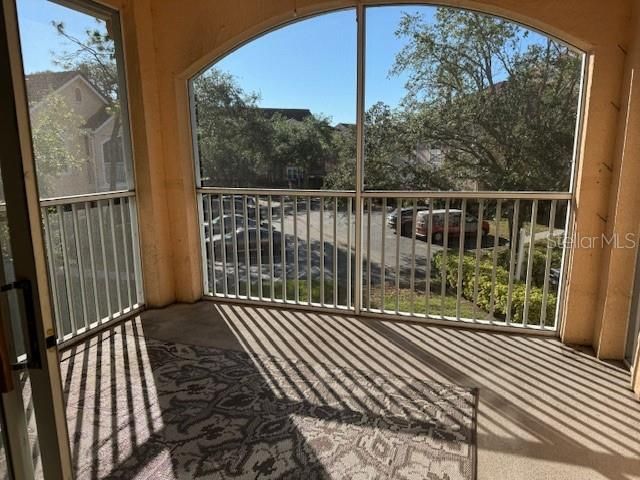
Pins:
x,y
618,272
167,41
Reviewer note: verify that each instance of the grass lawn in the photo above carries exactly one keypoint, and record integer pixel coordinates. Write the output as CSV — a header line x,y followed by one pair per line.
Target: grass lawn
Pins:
x,y
303,291
406,297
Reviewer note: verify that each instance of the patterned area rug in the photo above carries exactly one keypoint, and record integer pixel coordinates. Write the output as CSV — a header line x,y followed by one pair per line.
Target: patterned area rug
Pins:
x,y
223,414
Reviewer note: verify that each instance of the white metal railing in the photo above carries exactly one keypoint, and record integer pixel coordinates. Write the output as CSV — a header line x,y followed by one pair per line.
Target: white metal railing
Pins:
x,y
280,248
93,259
501,266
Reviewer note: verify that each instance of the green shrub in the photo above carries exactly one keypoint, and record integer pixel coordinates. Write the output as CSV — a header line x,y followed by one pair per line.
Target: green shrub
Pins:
x,y
500,290
539,261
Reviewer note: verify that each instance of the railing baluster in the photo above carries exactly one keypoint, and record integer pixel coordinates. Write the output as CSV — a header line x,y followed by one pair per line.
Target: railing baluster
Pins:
x,y
496,243
322,251
445,247
350,263
309,280
398,235
271,268
247,253
383,265
427,287
515,237
414,216
234,240
76,236
547,265
105,269
53,273
114,249
223,245
204,214
335,251
87,213
66,270
296,246
479,236
461,234
369,253
137,267
532,245
212,254
259,246
283,251
126,254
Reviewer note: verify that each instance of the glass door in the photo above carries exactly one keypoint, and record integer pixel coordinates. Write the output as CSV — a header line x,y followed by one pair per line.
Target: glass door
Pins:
x,y
33,441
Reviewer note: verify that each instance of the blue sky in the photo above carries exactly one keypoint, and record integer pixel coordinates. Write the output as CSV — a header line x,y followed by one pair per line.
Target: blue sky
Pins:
x,y
312,64
309,64
39,38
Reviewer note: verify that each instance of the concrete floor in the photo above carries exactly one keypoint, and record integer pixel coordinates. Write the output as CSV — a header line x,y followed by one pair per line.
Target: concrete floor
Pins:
x,y
546,411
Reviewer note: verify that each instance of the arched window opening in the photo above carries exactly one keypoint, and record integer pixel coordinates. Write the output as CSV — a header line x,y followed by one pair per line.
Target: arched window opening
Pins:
x,y
468,129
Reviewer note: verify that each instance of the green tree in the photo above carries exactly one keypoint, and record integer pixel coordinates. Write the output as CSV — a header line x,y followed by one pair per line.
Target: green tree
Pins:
x,y
306,144
501,106
239,145
234,139
57,140
342,173
392,148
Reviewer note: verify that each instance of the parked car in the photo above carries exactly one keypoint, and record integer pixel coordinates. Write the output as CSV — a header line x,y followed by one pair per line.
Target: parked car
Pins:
x,y
252,233
228,224
301,203
238,205
438,220
406,215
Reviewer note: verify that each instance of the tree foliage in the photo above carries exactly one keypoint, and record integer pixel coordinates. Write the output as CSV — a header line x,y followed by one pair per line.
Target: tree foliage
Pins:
x,y
239,145
233,139
501,106
57,139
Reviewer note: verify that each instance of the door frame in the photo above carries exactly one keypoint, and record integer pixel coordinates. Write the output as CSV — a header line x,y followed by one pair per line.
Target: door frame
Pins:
x,y
25,225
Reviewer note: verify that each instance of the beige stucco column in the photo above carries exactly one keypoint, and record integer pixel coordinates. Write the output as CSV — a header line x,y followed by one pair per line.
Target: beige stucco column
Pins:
x,y
148,151
623,216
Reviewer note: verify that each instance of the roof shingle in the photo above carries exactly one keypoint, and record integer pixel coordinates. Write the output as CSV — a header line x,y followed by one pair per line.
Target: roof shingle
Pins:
x,y
41,84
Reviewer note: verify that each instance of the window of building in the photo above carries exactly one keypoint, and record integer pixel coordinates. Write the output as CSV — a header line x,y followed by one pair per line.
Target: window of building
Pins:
x,y
114,167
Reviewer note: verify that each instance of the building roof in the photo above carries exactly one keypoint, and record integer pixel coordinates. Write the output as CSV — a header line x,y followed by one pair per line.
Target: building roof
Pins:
x,y
298,114
40,84
97,119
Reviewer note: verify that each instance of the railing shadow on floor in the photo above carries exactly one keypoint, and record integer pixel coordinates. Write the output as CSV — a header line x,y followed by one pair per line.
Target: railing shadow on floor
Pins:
x,y
122,422
539,398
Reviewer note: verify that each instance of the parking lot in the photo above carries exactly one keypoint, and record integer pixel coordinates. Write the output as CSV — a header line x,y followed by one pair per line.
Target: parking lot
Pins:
x,y
308,227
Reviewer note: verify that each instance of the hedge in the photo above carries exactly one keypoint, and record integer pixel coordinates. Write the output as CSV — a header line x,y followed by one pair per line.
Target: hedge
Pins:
x,y
485,270
539,261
